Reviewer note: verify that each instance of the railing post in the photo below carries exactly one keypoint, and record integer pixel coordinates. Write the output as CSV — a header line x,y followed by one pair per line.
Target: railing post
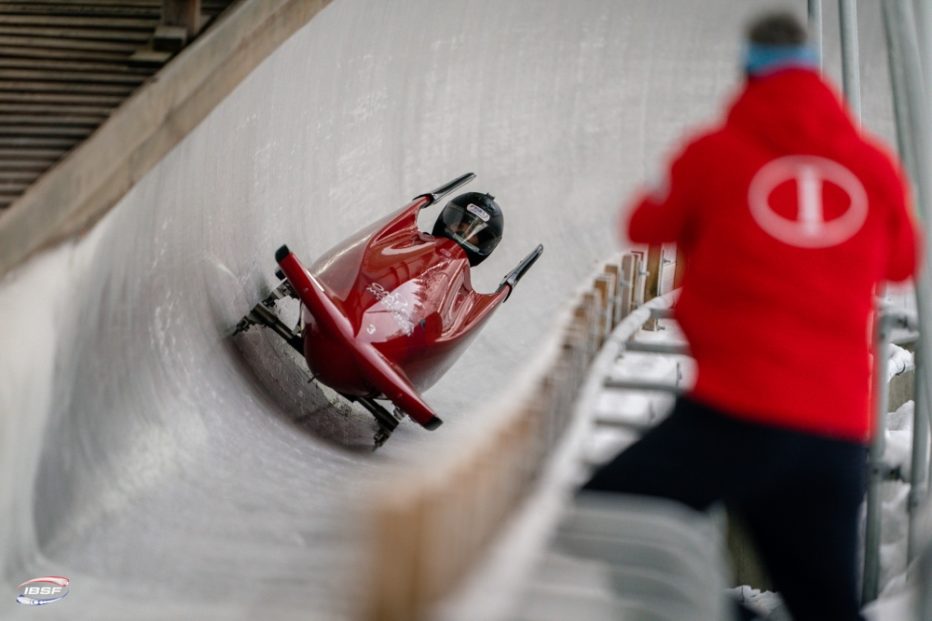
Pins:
x,y
604,287
869,587
654,268
924,596
655,264
181,20
640,279
850,56
915,145
815,27
182,13
919,463
628,279
613,271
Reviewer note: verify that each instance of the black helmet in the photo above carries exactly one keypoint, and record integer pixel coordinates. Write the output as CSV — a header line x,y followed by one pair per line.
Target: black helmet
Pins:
x,y
475,222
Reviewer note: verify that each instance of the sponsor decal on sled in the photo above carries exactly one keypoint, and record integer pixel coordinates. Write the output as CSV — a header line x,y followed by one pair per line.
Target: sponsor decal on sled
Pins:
x,y
44,590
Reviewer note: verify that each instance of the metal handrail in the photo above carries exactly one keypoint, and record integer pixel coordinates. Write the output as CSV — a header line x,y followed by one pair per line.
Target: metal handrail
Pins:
x,y
913,125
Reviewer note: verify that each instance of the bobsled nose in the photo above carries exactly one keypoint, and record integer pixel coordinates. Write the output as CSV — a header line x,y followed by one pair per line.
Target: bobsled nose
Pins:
x,y
375,370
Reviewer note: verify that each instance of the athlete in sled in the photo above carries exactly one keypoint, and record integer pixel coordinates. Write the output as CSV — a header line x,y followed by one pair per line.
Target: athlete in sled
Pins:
x,y
386,312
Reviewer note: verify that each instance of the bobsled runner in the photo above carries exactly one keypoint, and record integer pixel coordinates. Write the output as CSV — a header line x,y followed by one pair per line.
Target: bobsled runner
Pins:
x,y
387,312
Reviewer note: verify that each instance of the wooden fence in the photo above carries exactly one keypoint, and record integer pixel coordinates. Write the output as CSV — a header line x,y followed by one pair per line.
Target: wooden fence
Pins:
x,y
426,538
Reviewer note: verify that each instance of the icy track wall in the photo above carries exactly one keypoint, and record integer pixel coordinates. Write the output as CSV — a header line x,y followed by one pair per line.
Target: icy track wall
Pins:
x,y
173,472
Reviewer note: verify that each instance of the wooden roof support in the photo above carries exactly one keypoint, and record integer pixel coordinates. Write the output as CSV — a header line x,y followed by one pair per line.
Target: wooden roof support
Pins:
x,y
181,20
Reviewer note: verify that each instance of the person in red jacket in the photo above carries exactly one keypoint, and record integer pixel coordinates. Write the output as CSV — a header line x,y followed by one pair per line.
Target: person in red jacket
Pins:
x,y
788,217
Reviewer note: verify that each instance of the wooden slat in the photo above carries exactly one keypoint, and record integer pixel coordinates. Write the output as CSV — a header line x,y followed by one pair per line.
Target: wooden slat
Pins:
x,y
78,22
33,167
14,97
34,155
60,65
30,165
7,199
20,176
46,110
47,131
19,142
49,120
13,187
75,77
81,34
57,8
27,54
63,87
79,4
16,38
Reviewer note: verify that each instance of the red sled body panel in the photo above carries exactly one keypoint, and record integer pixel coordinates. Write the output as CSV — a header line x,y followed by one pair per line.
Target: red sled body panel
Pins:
x,y
389,311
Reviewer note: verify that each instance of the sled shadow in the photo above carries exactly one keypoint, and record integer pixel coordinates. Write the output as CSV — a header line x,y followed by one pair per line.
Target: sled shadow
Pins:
x,y
282,376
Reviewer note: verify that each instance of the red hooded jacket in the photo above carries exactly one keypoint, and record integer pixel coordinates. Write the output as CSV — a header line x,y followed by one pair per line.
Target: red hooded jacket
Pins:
x,y
788,219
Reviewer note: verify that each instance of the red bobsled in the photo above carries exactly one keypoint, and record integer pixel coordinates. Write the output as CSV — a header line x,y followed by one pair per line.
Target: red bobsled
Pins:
x,y
387,312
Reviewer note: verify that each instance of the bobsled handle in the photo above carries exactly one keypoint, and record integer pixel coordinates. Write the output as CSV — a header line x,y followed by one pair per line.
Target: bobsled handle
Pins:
x,y
446,188
511,278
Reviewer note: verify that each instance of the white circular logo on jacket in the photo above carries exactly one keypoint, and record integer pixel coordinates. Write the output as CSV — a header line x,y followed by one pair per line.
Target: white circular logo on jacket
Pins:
x,y
810,228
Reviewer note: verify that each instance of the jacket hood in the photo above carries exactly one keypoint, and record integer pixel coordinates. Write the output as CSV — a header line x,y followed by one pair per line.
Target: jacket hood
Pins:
x,y
791,110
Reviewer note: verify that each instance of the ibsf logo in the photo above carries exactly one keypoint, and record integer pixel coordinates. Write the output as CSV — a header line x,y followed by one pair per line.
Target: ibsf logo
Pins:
x,y
41,591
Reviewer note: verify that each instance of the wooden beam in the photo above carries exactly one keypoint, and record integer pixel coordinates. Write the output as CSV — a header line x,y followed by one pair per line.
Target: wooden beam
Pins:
x,y
183,13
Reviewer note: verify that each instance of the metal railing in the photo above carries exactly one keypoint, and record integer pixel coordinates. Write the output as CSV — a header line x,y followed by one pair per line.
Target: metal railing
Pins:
x,y
880,471
617,557
909,46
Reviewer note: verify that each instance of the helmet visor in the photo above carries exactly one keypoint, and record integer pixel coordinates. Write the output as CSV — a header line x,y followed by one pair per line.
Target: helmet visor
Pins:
x,y
464,226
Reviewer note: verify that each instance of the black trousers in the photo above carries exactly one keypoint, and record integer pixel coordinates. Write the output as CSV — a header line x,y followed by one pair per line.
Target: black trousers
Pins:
x,y
799,494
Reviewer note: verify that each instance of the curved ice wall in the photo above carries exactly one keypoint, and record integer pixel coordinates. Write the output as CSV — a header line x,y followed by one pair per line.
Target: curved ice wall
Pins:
x,y
173,472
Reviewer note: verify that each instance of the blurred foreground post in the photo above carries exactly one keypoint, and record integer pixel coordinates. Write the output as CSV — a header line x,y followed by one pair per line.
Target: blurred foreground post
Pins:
x,y
913,127
654,284
815,27
850,55
877,471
